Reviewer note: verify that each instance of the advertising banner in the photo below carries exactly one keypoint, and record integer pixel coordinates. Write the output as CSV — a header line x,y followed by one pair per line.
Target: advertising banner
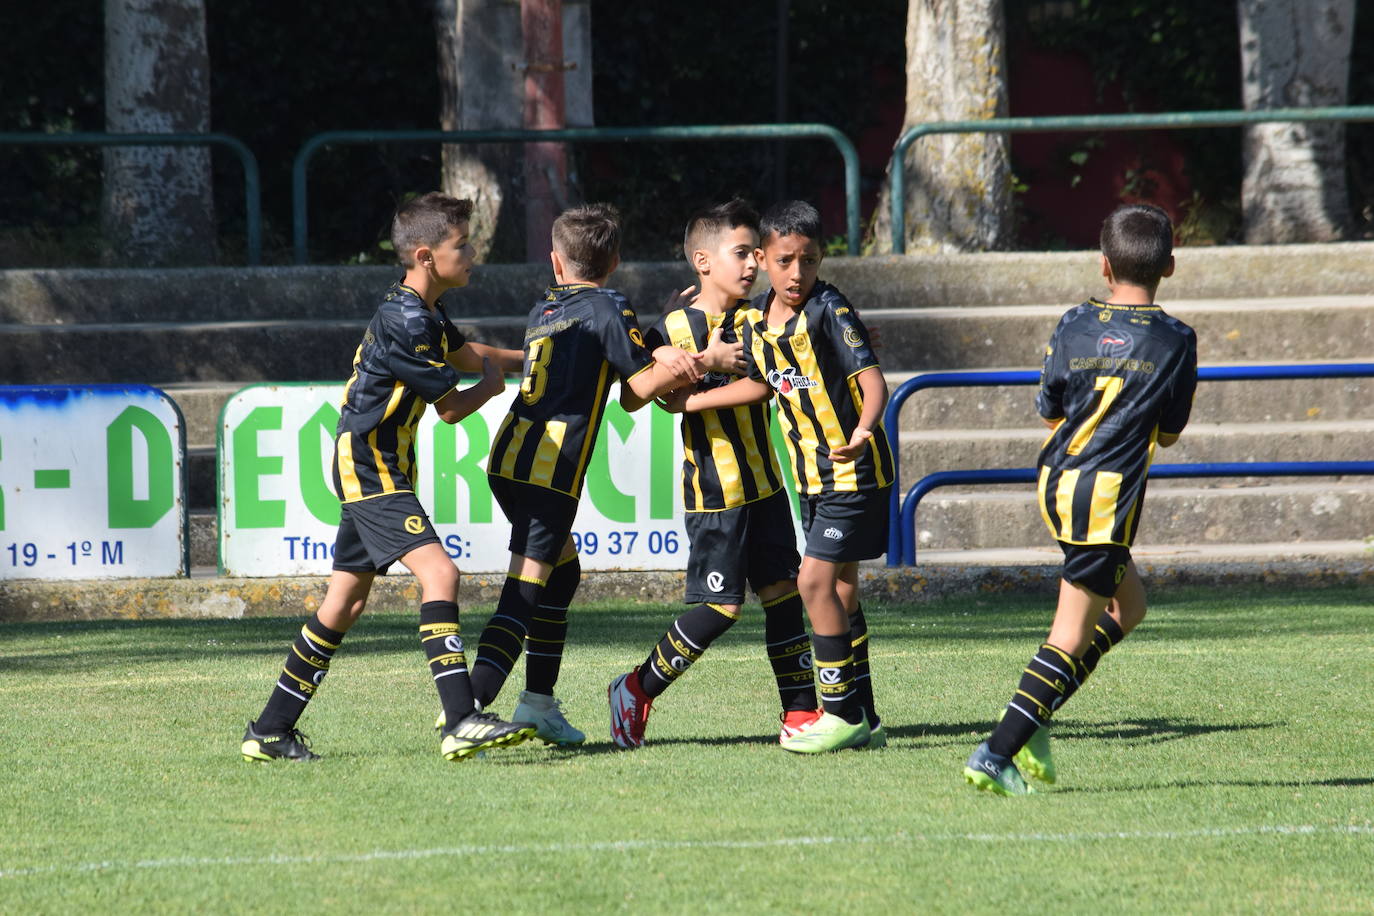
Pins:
x,y
91,483
278,511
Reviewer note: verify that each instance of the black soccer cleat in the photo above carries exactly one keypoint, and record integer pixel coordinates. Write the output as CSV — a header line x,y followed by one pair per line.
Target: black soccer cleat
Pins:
x,y
288,745
482,731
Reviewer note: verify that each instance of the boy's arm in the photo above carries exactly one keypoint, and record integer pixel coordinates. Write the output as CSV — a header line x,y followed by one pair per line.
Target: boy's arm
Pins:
x,y
736,394
459,403
468,357
874,390
1181,405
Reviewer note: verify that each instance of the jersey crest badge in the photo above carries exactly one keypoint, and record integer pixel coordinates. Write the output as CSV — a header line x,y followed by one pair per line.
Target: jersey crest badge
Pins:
x,y
1115,344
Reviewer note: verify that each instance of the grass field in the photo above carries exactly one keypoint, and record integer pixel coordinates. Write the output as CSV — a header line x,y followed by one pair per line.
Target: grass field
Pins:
x,y
1222,760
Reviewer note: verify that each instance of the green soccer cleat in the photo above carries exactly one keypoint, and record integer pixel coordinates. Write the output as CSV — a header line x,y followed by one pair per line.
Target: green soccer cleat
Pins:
x,y
545,713
482,731
288,745
1035,759
828,733
877,738
989,772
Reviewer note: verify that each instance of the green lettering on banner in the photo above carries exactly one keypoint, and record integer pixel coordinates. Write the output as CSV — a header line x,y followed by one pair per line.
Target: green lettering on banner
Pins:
x,y
125,511
601,490
250,509
664,464
449,467
318,492
780,446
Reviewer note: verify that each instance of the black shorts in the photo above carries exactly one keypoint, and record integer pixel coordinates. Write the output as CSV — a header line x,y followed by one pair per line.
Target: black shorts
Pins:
x,y
844,527
374,533
756,542
1097,567
541,519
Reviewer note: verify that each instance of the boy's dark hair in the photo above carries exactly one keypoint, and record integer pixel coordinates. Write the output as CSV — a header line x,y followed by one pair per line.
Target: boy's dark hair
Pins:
x,y
791,217
1138,240
708,224
588,239
426,220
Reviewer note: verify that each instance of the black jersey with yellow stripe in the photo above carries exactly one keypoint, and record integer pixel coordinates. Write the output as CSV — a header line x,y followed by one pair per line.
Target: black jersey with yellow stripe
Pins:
x,y
727,460
579,339
400,366
812,362
1115,376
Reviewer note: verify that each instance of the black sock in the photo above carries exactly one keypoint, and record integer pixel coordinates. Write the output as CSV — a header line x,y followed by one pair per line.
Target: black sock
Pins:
x,y
789,651
306,665
549,628
863,681
1107,634
504,637
687,637
443,644
1041,691
835,675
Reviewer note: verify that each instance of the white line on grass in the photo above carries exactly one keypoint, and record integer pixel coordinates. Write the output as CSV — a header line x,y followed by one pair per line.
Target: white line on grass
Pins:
x,y
382,855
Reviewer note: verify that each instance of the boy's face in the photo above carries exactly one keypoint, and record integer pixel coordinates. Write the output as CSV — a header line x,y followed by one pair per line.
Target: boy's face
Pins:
x,y
734,263
453,258
791,262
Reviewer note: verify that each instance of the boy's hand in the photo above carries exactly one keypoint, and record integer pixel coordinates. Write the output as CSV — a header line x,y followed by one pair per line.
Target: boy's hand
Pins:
x,y
720,356
857,443
679,363
683,299
675,401
493,383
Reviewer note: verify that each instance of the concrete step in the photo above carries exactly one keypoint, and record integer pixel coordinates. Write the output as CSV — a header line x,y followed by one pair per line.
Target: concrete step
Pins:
x,y
1314,510
1011,406
927,451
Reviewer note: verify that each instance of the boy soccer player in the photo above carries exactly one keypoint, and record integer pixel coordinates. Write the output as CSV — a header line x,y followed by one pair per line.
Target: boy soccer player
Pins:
x,y
1118,379
806,343
408,358
738,519
581,337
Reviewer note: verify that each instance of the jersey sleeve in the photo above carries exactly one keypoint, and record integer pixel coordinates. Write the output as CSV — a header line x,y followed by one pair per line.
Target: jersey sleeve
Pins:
x,y
847,336
415,355
621,340
1049,401
746,335
1180,406
657,335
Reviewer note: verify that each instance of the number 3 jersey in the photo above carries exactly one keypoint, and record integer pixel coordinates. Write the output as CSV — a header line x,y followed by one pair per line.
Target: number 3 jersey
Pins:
x,y
1115,376
578,340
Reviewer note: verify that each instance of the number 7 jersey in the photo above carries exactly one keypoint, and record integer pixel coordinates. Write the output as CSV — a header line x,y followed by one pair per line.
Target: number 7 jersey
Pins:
x,y
1115,377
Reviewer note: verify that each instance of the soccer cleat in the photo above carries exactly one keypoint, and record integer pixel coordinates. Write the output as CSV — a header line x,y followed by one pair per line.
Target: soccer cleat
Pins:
x,y
629,710
545,713
1035,759
287,745
829,733
989,772
877,737
795,721
482,731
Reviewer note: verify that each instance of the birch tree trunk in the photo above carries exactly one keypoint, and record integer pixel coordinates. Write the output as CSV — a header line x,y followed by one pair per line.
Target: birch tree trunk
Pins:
x,y
1295,53
157,207
481,87
958,190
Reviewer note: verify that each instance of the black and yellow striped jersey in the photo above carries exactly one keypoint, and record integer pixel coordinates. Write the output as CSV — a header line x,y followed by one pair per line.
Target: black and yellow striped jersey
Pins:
x,y
580,338
1116,376
727,459
812,363
398,368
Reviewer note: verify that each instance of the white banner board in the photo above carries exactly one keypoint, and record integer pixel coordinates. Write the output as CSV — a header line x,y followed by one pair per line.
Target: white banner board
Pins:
x,y
91,483
279,514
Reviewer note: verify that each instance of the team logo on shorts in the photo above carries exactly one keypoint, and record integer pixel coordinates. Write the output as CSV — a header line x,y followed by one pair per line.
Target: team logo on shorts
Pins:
x,y
829,676
453,643
715,581
415,524
1115,344
833,533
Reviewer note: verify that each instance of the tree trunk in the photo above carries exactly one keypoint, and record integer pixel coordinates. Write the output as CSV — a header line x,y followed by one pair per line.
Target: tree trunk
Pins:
x,y
157,208
1295,53
958,190
482,88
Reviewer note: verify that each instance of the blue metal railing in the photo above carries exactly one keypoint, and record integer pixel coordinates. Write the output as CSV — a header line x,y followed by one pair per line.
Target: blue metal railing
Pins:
x,y
901,540
299,197
252,183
